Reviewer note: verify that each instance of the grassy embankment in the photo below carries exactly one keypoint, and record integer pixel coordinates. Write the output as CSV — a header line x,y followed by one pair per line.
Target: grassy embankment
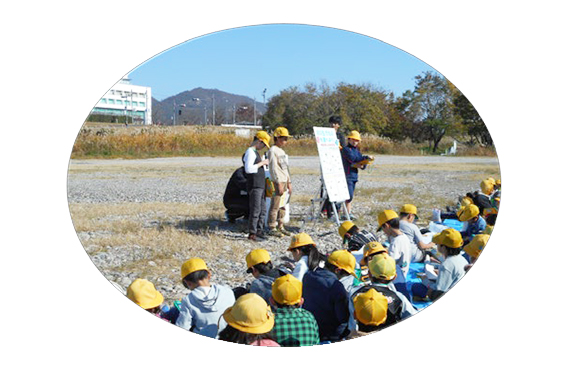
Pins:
x,y
96,141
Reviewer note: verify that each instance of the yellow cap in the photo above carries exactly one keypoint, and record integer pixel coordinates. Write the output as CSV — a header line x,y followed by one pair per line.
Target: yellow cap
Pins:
x,y
299,240
250,314
144,294
466,201
193,265
467,213
281,131
370,308
475,246
487,186
344,260
286,290
345,227
264,137
408,208
371,248
382,266
257,256
354,135
385,216
498,182
449,237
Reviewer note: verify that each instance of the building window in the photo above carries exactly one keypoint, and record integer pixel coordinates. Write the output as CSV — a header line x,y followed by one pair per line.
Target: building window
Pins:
x,y
103,101
142,104
119,102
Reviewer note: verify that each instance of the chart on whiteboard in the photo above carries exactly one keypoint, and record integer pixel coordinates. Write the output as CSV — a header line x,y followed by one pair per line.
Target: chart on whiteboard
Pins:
x,y
331,164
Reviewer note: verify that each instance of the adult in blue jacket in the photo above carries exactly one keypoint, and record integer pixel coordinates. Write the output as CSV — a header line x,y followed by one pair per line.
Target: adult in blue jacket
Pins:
x,y
351,158
326,298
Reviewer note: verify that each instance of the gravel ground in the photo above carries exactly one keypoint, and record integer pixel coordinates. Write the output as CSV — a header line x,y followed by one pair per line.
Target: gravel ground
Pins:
x,y
392,181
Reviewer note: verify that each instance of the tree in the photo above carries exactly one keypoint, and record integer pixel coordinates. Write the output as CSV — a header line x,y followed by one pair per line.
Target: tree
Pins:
x,y
471,120
431,108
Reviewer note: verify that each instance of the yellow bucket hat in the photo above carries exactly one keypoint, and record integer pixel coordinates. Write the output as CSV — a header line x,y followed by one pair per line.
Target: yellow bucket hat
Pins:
x,y
345,227
385,216
287,290
449,237
475,246
467,213
344,260
369,249
250,314
299,240
264,137
144,294
354,135
257,256
193,265
382,266
370,308
281,131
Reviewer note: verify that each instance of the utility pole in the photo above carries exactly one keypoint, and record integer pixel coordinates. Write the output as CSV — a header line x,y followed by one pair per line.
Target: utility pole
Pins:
x,y
255,111
234,115
213,110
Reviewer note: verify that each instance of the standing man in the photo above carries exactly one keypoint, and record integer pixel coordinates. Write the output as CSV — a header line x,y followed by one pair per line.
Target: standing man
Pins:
x,y
351,158
280,176
335,122
253,165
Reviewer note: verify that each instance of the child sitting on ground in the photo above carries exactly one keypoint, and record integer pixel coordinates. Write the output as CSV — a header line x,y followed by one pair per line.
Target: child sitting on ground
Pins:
x,y
144,294
294,326
370,311
474,248
342,264
261,267
475,222
250,321
451,270
202,308
304,252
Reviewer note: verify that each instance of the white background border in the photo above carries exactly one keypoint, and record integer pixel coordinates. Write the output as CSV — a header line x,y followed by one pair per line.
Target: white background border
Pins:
x,y
512,60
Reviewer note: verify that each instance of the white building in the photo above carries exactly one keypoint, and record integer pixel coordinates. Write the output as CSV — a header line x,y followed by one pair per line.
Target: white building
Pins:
x,y
131,101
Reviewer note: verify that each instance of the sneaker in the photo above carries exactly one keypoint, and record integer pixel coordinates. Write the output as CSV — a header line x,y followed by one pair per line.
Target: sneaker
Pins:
x,y
352,217
275,232
252,237
284,231
261,235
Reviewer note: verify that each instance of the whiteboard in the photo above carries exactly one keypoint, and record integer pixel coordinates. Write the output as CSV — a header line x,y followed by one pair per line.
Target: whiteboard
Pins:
x,y
331,164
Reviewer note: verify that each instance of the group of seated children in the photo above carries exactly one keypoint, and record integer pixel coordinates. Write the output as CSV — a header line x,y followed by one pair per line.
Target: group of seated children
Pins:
x,y
318,299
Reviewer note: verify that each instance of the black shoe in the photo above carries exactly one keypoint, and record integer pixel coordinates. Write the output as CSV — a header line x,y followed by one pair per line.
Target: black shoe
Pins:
x,y
252,237
261,236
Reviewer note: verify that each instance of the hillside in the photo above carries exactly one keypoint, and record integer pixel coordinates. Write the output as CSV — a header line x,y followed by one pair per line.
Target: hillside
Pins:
x,y
203,105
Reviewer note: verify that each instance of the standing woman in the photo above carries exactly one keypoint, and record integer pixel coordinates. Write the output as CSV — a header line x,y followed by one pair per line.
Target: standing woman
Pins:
x,y
351,157
253,165
306,255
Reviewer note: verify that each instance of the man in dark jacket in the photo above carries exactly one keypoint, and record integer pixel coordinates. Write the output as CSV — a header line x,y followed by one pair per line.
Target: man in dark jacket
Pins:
x,y
326,298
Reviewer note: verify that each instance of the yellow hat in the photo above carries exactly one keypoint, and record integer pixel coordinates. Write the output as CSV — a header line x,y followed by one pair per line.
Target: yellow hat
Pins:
x,y
345,227
344,260
409,208
466,201
498,182
193,265
287,290
281,131
264,137
475,246
449,237
257,256
299,240
144,294
385,216
487,186
354,135
382,266
250,314
371,248
370,308
467,213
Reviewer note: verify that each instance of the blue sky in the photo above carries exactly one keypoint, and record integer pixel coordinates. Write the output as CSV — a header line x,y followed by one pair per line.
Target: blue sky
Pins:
x,y
247,60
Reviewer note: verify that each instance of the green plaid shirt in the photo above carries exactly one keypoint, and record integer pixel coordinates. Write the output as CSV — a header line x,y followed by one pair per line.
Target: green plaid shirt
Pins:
x,y
295,327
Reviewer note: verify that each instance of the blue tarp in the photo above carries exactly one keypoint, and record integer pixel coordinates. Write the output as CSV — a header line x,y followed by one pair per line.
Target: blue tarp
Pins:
x,y
411,279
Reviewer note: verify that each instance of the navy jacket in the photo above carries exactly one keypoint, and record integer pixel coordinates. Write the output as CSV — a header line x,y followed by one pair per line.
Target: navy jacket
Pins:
x,y
326,298
351,155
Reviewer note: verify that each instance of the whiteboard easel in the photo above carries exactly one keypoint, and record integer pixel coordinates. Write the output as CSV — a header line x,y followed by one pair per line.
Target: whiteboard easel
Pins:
x,y
333,182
